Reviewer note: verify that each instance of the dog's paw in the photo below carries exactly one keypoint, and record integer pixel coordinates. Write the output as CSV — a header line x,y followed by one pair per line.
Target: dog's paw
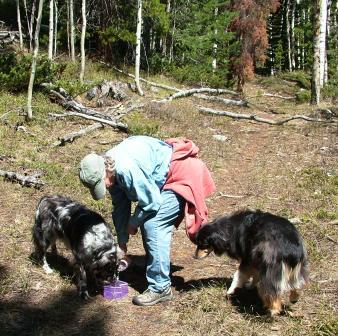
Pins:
x,y
47,269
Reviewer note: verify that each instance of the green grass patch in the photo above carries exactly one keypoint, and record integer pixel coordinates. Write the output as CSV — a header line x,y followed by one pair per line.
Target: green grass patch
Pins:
x,y
139,124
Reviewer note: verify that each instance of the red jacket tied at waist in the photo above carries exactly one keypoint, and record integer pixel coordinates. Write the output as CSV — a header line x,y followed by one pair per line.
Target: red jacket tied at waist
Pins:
x,y
190,178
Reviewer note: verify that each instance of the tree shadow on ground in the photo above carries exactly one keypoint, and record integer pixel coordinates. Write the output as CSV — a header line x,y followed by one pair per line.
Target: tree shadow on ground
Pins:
x,y
62,313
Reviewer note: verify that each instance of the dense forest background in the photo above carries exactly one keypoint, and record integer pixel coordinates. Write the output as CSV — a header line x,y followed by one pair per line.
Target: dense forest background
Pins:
x,y
199,42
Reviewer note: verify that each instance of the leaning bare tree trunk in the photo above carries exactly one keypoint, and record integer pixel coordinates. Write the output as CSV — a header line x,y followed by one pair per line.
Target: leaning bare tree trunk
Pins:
x,y
35,56
83,36
315,87
138,47
72,30
19,23
51,29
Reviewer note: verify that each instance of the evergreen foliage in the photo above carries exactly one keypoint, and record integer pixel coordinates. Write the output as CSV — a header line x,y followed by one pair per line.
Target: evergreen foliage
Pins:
x,y
15,71
205,42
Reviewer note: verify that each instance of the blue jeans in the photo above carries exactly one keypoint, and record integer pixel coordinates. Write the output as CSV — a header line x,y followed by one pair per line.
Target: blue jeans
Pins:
x,y
156,233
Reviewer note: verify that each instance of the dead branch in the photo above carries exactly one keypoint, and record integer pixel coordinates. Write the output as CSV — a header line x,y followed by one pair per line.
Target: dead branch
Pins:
x,y
65,100
221,194
256,118
26,181
161,86
71,137
69,103
224,101
273,96
114,124
190,92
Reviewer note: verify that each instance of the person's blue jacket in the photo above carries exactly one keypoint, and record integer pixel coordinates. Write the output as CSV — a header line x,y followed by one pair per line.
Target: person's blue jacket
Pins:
x,y
141,164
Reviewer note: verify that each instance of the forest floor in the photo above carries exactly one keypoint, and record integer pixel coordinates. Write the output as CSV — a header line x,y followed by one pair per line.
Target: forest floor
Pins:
x,y
290,170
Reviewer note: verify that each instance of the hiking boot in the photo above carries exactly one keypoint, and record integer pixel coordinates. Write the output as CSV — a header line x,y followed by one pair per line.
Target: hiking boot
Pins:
x,y
149,298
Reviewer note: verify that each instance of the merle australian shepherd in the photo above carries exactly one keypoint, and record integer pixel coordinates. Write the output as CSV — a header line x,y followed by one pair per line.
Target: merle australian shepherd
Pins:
x,y
83,231
269,249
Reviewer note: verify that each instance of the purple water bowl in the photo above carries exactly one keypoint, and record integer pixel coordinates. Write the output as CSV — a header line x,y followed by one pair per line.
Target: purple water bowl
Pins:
x,y
116,290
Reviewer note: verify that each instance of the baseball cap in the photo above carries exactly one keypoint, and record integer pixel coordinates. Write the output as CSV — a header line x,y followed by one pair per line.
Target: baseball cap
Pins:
x,y
92,172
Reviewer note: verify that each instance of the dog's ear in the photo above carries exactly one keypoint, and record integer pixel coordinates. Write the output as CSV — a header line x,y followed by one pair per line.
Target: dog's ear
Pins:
x,y
218,243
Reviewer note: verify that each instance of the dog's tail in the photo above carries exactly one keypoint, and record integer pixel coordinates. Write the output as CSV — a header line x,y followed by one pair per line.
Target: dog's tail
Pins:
x,y
277,278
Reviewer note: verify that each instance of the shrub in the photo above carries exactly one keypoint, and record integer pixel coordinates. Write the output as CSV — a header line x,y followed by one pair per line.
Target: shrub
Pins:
x,y
15,71
303,96
301,78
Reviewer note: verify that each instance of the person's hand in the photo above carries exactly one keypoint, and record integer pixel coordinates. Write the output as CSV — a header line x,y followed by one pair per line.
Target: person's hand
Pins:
x,y
123,247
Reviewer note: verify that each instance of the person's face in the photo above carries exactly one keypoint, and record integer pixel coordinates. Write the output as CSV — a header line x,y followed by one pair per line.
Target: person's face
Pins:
x,y
109,179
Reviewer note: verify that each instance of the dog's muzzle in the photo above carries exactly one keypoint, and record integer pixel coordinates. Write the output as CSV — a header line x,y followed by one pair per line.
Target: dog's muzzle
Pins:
x,y
202,253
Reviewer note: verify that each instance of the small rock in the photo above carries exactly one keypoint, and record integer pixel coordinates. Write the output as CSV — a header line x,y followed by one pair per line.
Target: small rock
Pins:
x,y
220,137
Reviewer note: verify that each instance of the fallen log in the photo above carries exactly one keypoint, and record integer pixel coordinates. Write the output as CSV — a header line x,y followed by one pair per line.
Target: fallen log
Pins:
x,y
256,118
72,136
190,92
114,124
68,103
24,180
224,101
77,109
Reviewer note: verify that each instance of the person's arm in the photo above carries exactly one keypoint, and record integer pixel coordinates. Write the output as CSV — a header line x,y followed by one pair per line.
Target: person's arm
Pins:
x,y
143,189
120,214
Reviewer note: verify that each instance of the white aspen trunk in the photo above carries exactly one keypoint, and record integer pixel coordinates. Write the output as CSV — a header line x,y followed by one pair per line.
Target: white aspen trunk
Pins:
x,y
31,25
19,23
171,51
298,23
72,30
303,39
315,85
164,42
288,37
56,26
27,19
68,28
214,61
51,29
322,39
270,50
152,39
328,33
292,33
138,47
83,37
34,60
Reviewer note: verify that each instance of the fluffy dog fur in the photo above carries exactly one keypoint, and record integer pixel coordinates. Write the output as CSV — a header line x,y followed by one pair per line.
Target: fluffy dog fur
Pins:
x,y
83,231
269,249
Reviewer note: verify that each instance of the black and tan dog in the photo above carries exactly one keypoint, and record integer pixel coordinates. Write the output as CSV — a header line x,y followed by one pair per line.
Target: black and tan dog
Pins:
x,y
83,231
269,249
